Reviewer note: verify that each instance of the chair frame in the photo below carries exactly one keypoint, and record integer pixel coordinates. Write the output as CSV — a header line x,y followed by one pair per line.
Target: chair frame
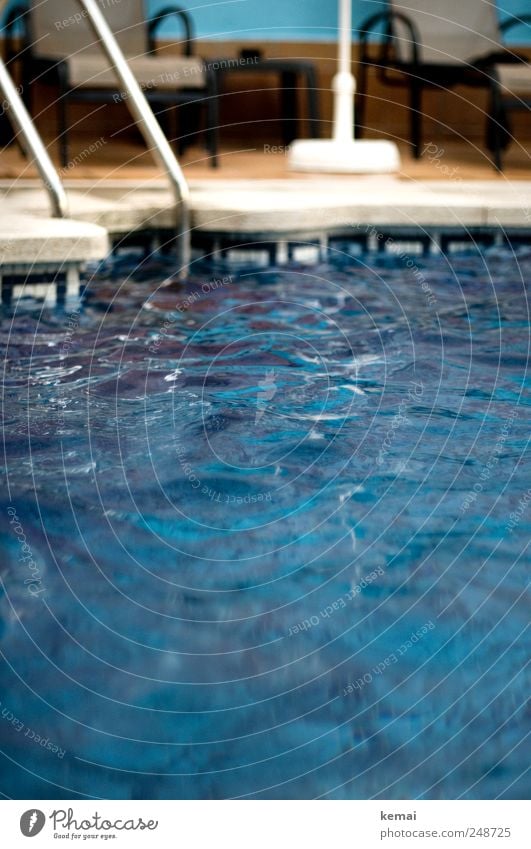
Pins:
x,y
55,72
498,122
418,75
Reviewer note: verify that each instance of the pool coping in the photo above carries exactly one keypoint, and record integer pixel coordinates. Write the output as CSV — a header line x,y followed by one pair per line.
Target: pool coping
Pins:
x,y
228,213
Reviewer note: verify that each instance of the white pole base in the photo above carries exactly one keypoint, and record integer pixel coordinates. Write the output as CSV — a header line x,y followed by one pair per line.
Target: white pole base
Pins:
x,y
344,157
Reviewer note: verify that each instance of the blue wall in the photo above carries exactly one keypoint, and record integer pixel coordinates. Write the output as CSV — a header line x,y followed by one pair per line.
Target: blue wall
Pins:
x,y
289,20
292,20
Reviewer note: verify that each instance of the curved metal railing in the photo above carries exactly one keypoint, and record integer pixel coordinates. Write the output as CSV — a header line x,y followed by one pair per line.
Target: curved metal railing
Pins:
x,y
141,112
33,144
147,124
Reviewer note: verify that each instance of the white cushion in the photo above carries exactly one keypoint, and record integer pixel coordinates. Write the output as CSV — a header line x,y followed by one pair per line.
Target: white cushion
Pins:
x,y
514,79
152,72
452,32
60,28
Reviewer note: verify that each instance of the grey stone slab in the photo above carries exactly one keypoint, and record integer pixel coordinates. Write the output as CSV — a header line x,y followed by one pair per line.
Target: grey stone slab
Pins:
x,y
28,240
281,208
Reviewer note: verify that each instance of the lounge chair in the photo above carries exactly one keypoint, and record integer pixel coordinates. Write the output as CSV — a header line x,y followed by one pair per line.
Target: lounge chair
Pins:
x,y
429,44
61,47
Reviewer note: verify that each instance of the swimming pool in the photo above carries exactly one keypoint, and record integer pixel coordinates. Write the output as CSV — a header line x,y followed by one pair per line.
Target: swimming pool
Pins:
x,y
266,534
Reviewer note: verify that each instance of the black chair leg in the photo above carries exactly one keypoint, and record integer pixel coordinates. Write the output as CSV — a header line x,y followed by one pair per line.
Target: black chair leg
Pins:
x,y
497,147
497,126
63,131
212,145
62,106
212,118
7,136
289,107
415,107
163,115
26,97
360,101
314,118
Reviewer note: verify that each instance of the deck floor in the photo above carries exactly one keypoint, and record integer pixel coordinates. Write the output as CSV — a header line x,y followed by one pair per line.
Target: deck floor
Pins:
x,y
127,160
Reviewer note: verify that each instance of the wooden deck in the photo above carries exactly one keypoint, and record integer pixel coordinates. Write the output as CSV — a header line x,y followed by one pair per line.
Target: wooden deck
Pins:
x,y
117,159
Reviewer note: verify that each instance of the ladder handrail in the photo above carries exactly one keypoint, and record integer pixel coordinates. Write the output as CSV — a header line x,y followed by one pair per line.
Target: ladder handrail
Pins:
x,y
22,122
147,123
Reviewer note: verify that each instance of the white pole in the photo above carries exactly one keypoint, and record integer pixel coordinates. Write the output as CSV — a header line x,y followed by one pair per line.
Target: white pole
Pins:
x,y
345,36
343,83
342,154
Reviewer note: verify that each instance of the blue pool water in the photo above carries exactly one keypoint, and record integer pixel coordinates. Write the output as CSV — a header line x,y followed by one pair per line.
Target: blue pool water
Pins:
x,y
266,534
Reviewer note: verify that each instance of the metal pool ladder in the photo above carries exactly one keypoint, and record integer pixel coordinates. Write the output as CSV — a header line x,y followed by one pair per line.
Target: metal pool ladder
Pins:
x,y
34,146
141,112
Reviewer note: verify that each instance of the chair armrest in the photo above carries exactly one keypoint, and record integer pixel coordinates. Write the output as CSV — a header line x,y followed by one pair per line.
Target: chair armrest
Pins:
x,y
161,16
49,70
16,16
514,21
389,17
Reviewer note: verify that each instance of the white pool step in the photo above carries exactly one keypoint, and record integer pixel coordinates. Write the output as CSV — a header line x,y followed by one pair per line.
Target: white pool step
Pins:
x,y
30,240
